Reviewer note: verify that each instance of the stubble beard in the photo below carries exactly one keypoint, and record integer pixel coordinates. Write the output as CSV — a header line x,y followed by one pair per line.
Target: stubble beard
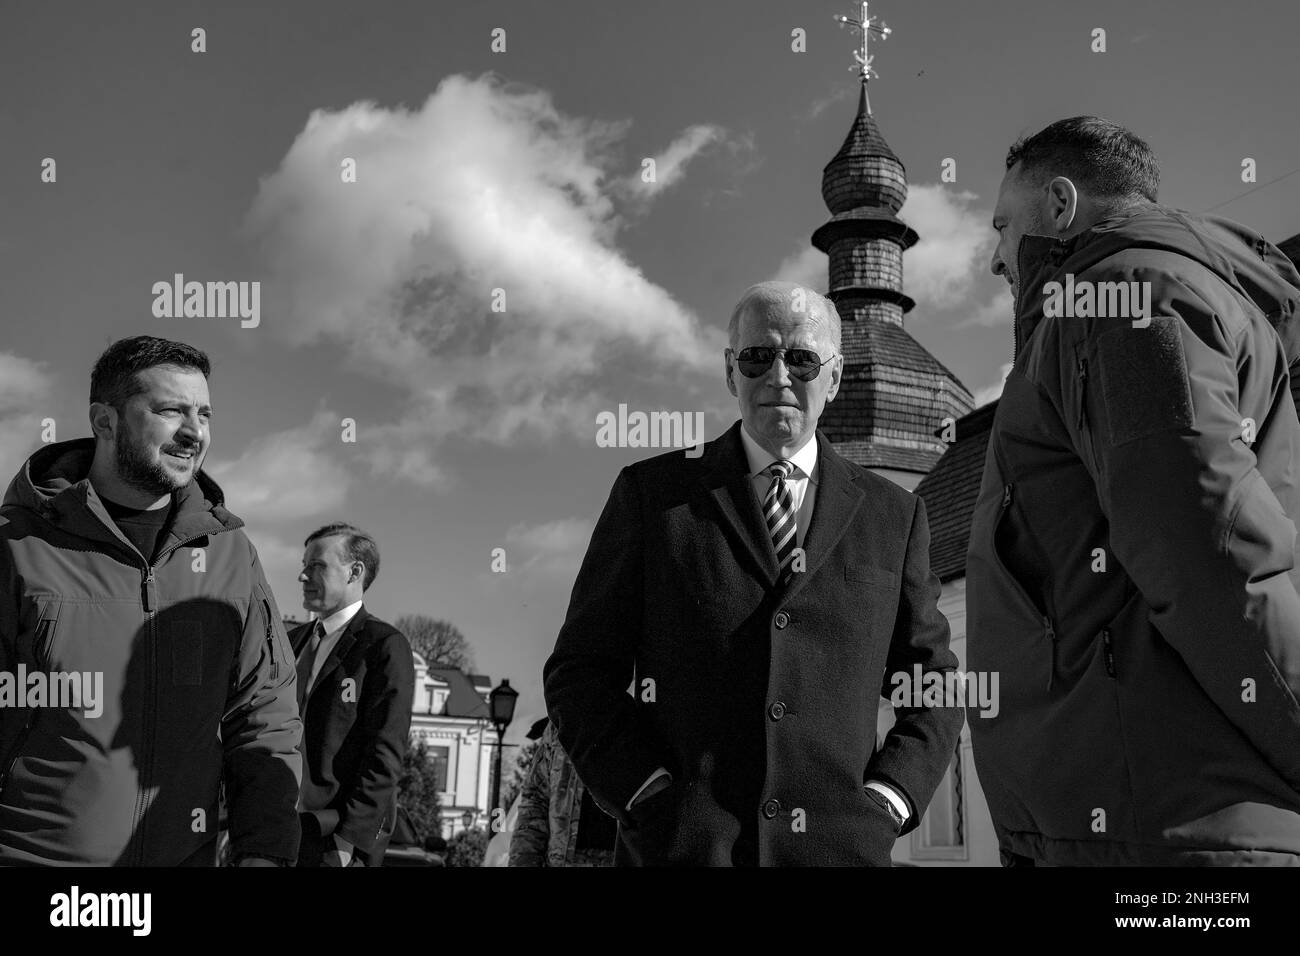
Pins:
x,y
136,469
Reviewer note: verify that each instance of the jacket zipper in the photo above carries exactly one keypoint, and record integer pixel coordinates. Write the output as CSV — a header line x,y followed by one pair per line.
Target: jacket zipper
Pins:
x,y
1083,393
1049,629
270,641
148,603
147,731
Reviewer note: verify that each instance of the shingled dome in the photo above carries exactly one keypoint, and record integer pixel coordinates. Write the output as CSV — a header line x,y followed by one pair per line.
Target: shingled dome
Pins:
x,y
894,394
865,172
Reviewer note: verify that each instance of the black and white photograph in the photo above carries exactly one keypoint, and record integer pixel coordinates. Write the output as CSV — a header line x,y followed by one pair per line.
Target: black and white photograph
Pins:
x,y
721,434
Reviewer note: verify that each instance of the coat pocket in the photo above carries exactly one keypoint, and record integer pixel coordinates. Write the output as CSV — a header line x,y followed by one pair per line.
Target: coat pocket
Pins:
x,y
870,575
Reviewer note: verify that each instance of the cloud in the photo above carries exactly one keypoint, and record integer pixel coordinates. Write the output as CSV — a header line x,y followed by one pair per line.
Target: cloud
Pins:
x,y
486,186
955,244
992,314
281,562
26,391
989,392
288,475
807,266
841,93
555,546
670,165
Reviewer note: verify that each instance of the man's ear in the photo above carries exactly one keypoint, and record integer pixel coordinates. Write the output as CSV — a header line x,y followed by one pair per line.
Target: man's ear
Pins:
x,y
836,370
1062,204
730,369
103,420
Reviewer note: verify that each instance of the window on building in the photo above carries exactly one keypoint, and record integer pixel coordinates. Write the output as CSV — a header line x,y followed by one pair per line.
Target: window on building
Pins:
x,y
942,832
438,756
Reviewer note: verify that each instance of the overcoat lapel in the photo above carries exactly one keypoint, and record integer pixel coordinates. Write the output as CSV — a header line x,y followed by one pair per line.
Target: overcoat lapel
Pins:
x,y
727,483
341,648
839,497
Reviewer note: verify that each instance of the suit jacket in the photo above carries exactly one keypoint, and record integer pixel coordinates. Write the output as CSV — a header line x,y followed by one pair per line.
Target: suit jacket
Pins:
x,y
356,724
760,697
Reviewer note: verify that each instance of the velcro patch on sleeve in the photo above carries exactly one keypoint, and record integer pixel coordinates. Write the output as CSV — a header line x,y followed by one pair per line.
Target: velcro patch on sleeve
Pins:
x,y
1144,380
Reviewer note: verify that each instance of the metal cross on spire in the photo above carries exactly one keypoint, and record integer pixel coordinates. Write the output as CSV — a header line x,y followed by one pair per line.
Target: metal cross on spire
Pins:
x,y
867,26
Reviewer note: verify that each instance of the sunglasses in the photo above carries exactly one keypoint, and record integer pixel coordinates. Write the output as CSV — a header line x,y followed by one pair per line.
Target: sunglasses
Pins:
x,y
804,364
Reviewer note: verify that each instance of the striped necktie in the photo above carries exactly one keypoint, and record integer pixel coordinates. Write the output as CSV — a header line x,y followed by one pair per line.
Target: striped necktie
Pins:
x,y
778,510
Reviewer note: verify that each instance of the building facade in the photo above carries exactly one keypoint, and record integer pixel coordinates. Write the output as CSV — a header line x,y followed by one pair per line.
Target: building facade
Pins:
x,y
450,715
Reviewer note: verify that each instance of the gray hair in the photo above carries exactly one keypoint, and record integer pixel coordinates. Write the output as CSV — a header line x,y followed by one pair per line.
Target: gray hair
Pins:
x,y
776,293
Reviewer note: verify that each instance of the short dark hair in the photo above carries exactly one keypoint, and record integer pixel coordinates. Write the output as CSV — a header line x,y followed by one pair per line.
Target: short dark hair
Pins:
x,y
357,546
114,379
1102,158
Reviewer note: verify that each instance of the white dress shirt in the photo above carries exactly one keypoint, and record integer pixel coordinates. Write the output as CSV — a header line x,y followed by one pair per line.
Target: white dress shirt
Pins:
x,y
334,626
802,481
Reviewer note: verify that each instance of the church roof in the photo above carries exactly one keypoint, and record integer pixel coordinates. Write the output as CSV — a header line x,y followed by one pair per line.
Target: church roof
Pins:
x,y
949,492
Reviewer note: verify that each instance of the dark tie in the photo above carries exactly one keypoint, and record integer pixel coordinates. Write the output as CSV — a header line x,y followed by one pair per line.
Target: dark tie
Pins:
x,y
307,661
778,511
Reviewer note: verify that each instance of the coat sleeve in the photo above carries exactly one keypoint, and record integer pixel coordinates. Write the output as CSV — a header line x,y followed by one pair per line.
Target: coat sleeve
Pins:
x,y
387,694
532,827
587,675
260,733
919,747
1191,520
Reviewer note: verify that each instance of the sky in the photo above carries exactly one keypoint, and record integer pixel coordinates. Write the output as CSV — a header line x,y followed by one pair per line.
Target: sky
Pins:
x,y
522,170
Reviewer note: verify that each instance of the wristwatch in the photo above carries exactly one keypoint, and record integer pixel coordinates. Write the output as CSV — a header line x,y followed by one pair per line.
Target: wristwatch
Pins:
x,y
887,805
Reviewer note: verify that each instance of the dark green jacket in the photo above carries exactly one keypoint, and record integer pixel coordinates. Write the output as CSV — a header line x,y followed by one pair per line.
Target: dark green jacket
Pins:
x,y
198,681
1132,570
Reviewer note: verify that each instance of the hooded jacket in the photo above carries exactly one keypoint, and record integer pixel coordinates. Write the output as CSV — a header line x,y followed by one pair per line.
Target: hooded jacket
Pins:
x,y
1131,571
198,681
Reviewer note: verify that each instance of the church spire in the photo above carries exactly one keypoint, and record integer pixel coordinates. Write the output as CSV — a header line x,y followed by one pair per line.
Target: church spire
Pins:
x,y
894,395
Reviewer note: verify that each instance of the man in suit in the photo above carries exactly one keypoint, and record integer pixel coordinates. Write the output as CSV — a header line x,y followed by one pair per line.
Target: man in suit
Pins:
x,y
758,596
356,682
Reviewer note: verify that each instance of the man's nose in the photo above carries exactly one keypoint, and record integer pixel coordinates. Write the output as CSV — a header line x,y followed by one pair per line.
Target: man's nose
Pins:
x,y
778,374
997,266
302,576
192,428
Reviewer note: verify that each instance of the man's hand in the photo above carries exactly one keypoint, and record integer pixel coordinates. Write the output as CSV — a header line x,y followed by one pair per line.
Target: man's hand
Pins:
x,y
340,855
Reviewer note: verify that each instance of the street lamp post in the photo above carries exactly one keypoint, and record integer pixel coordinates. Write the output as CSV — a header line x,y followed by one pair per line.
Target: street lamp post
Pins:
x,y
501,702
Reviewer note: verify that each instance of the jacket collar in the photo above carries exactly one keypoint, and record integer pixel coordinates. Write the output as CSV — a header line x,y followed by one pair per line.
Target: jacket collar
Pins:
x,y
55,483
